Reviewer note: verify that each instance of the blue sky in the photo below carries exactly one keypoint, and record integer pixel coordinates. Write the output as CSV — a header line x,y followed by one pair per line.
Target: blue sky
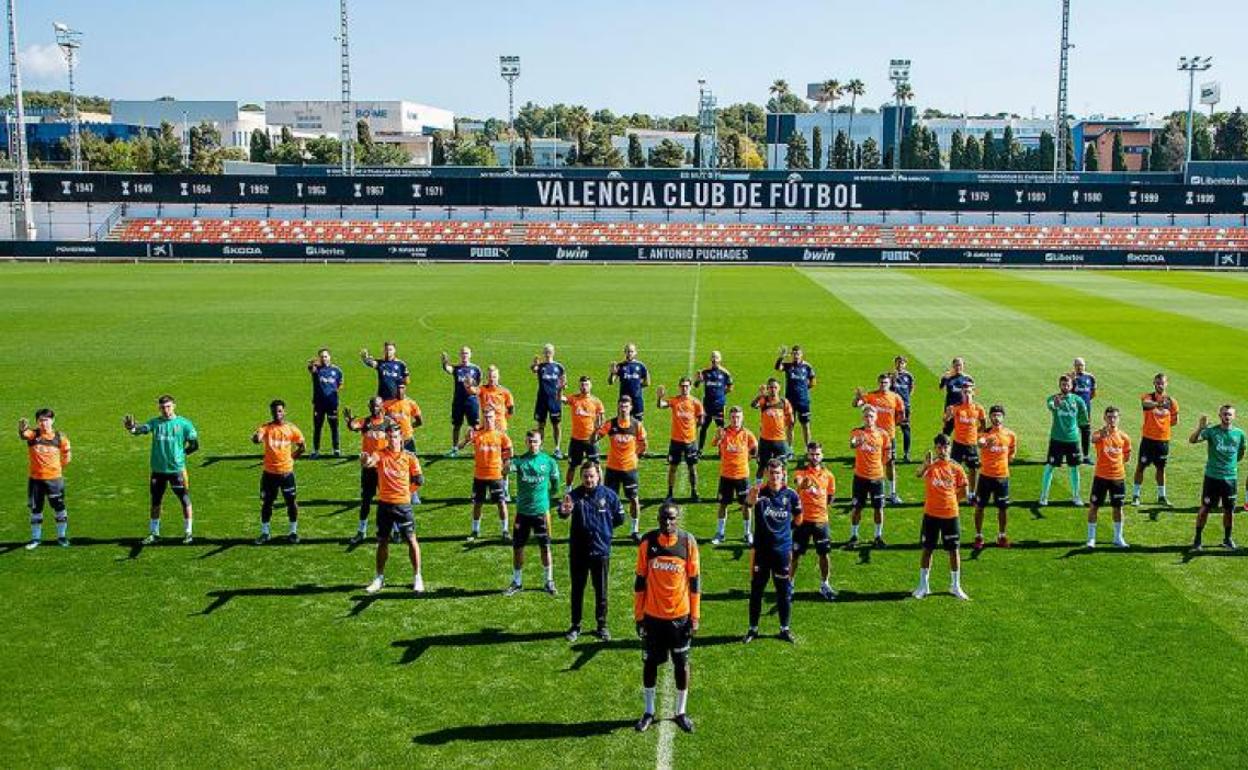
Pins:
x,y
644,56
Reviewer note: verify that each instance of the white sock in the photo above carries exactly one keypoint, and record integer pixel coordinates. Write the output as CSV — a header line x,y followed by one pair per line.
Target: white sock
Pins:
x,y
153,526
294,527
879,529
745,527
503,524
476,526
1118,530
955,577
892,486
682,698
62,527
550,572
1092,530
1161,491
648,693
636,526
924,572
826,584
363,528
720,527
187,525
36,532
853,530
1137,489
516,576
264,527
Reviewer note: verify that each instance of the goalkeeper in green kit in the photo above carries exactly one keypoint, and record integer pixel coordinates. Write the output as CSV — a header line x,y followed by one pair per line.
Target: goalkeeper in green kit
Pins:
x,y
538,478
1069,412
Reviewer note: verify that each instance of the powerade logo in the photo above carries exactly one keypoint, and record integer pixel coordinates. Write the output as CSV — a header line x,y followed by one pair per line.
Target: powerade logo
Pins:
x,y
488,252
818,255
899,256
1057,256
575,252
1146,259
75,250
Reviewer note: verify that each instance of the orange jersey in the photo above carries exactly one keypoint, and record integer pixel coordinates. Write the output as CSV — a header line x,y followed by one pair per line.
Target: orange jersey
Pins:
x,y
666,585
687,413
777,418
941,482
372,433
1112,453
966,421
279,443
490,450
498,398
735,448
586,411
403,411
889,408
814,486
870,453
1159,419
626,443
48,455
396,476
996,449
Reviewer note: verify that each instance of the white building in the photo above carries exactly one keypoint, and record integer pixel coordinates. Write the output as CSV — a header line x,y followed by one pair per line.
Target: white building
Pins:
x,y
1026,130
235,124
652,138
545,151
389,121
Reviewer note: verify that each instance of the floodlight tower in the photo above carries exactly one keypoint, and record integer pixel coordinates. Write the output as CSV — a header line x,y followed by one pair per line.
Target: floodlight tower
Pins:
x,y
708,131
1191,65
1063,72
509,68
69,41
899,73
23,221
346,131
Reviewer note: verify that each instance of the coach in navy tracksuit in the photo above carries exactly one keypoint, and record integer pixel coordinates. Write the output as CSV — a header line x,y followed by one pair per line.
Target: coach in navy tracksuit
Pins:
x,y
776,507
595,512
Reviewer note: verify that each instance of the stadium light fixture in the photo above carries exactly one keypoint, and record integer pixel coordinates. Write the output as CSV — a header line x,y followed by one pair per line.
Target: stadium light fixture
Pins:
x,y
899,74
23,220
69,41
509,69
1191,65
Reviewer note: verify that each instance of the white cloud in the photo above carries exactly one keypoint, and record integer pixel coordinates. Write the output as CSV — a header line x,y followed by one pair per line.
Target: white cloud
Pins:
x,y
42,64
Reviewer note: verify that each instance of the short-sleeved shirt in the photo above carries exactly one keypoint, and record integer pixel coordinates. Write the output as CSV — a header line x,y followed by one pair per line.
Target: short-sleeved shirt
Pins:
x,y
390,375
169,439
903,385
953,387
687,413
1068,415
1226,449
870,453
996,448
797,380
667,577
776,417
403,411
396,476
549,375
47,453
625,443
1112,453
1084,385
815,497
735,447
889,408
774,514
715,384
586,411
537,473
632,376
490,450
941,482
1159,419
372,432
467,380
966,421
500,400
326,382
279,440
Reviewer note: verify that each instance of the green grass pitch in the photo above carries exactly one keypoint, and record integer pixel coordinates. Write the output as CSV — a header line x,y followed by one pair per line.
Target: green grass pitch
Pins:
x,y
225,654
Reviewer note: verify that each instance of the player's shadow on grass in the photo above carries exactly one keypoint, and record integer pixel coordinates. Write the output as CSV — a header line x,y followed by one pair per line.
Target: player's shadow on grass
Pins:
x,y
338,506
522,731
1080,549
364,601
850,597
1215,552
224,596
414,648
589,649
214,459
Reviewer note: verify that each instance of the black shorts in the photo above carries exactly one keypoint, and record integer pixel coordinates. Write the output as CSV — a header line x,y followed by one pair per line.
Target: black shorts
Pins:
x,y
1113,491
175,481
801,410
50,490
548,409
1067,452
465,411
679,451
325,410
368,483
536,526
778,563
769,450
489,491
733,490
623,480
272,483
665,638
866,492
391,516
1154,452
965,454
580,451
1218,493
989,490
803,534
934,531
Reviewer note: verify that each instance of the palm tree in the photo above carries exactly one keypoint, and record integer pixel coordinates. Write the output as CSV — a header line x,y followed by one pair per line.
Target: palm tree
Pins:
x,y
829,91
578,122
854,88
779,89
902,93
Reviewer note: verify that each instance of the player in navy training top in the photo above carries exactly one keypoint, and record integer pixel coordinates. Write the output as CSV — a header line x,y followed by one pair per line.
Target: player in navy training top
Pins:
x,y
326,382
1084,386
776,507
953,382
633,376
716,382
465,406
903,385
551,380
799,378
390,371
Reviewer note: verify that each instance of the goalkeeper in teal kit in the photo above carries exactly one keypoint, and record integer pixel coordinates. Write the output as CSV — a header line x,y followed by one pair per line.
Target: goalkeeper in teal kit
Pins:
x,y
538,478
173,438
1069,413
